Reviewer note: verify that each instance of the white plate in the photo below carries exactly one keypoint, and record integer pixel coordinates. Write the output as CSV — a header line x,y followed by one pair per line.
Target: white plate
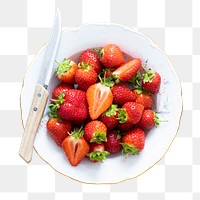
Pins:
x,y
168,104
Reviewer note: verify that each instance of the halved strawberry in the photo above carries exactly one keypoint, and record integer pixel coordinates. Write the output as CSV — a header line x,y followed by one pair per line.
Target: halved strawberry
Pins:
x,y
75,147
133,141
61,88
95,131
91,59
85,76
128,70
99,98
66,71
111,56
97,152
58,129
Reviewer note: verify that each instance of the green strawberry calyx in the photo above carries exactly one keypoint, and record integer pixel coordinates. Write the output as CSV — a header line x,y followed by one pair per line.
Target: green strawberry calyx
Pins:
x,y
105,70
98,155
136,80
99,137
115,78
148,76
84,65
56,105
77,133
63,67
122,117
99,51
53,111
107,81
129,150
112,111
157,120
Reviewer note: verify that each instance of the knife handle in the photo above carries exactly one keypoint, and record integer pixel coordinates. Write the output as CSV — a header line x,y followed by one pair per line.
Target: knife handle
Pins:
x,y
34,118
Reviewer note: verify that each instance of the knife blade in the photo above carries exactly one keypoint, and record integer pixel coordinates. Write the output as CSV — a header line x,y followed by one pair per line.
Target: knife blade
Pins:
x,y
41,94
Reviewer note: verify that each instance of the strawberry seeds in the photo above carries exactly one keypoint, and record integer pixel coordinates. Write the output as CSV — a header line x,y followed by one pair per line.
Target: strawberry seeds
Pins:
x,y
94,112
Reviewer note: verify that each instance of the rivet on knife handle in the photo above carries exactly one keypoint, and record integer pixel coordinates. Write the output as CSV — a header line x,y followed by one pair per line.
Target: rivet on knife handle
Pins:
x,y
33,122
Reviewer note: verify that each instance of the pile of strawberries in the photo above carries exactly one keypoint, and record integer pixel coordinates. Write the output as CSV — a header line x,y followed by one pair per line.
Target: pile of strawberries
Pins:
x,y
93,111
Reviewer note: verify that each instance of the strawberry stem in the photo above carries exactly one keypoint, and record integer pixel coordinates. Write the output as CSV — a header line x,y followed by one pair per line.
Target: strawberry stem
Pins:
x,y
77,132
60,99
144,69
106,81
157,120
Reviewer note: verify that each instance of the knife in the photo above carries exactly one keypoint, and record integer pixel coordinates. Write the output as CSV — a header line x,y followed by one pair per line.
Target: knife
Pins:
x,y
41,94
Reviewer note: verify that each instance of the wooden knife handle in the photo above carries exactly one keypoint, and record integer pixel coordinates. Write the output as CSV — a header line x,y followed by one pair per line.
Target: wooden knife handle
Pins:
x,y
33,122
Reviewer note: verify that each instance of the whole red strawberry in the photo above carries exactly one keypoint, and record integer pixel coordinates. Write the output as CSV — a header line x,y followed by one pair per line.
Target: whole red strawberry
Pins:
x,y
128,70
131,112
72,107
95,131
66,71
151,81
61,88
85,76
143,98
124,127
91,59
122,94
58,129
109,117
148,120
111,56
113,142
133,141
75,147
97,152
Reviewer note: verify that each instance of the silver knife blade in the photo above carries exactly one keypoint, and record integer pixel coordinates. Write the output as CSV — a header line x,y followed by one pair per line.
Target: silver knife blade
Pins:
x,y
51,51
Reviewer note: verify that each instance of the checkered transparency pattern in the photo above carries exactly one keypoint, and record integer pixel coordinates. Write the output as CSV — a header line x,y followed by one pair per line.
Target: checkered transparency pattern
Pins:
x,y
25,26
